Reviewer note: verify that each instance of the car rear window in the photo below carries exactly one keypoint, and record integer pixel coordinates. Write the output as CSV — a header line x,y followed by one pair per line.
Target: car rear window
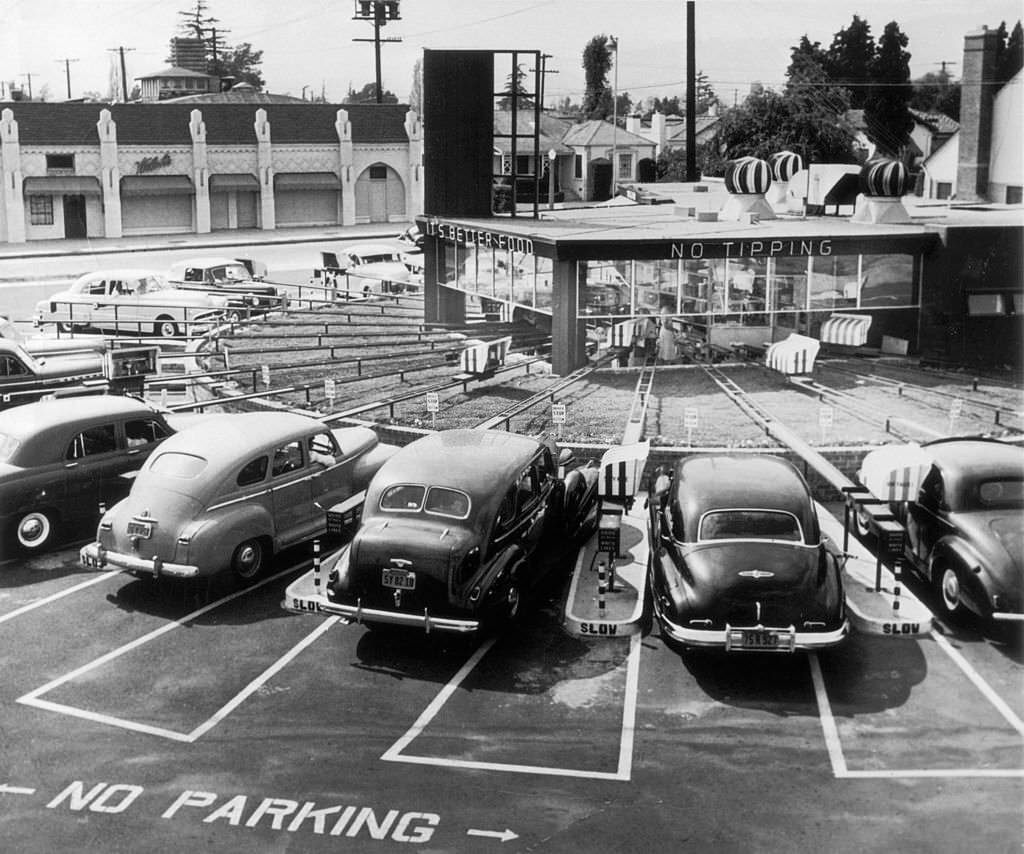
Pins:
x,y
8,447
174,464
749,525
996,493
447,502
404,496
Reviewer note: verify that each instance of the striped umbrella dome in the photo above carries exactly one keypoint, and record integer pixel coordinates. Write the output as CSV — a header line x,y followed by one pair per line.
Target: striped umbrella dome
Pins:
x,y
883,177
785,164
748,175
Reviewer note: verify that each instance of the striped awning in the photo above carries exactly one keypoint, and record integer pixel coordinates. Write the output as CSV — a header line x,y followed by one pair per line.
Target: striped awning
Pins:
x,y
621,468
894,472
482,356
793,355
622,334
848,329
75,184
155,185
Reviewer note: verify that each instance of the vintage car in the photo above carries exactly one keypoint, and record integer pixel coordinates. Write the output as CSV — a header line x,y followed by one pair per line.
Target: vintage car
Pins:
x,y
25,377
451,534
965,527
61,459
238,280
365,268
230,492
135,301
738,561
49,345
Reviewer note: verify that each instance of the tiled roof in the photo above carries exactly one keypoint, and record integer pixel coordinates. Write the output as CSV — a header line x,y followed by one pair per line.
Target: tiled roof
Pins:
x,y
551,132
166,123
939,122
597,132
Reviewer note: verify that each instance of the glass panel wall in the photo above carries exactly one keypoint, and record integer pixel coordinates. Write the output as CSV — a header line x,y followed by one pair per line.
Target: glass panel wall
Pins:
x,y
835,281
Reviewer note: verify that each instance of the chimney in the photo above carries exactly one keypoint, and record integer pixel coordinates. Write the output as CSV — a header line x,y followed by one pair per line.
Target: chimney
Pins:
x,y
977,90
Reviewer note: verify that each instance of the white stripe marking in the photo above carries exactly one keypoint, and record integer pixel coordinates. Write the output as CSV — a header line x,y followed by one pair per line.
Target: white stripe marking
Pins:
x,y
828,723
38,604
394,753
979,683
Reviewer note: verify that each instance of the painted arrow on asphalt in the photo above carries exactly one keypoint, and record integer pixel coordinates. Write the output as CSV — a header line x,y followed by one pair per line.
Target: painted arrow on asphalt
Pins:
x,y
504,835
15,790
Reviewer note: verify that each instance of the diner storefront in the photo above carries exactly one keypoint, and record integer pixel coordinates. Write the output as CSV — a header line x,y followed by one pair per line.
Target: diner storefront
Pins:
x,y
723,284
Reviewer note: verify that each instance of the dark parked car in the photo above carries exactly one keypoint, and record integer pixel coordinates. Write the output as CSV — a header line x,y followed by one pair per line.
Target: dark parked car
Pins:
x,y
451,533
239,280
738,561
25,377
60,459
232,491
965,531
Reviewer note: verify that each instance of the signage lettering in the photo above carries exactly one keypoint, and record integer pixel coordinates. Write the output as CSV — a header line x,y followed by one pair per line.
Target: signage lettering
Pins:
x,y
901,628
100,798
490,239
305,605
599,629
695,250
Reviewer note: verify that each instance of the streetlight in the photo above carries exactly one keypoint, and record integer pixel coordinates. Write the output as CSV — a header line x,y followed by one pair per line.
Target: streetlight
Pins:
x,y
613,45
552,154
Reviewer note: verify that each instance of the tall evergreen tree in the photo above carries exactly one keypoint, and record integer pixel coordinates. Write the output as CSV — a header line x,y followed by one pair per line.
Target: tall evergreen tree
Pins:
x,y
885,110
597,62
849,59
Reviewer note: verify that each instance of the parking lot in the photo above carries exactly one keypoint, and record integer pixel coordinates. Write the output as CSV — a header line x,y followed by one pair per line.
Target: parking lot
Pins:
x,y
137,717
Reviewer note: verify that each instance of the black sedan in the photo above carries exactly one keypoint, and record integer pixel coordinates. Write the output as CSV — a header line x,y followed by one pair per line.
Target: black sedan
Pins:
x,y
738,561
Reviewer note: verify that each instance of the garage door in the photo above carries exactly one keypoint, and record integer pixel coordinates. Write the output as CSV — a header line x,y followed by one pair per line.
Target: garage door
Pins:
x,y
156,213
307,199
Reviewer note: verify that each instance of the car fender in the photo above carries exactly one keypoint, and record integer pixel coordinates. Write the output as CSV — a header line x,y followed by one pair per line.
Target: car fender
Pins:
x,y
957,553
224,529
499,569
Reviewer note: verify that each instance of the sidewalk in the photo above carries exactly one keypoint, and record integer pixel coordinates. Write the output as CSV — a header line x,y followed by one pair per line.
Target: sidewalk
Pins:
x,y
238,237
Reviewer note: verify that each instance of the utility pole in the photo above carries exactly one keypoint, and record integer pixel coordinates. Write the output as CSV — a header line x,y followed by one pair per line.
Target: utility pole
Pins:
x,y
544,72
691,94
28,76
380,12
67,72
124,74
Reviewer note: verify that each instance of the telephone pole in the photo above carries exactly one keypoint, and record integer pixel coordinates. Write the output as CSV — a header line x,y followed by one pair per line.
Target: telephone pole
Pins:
x,y
28,76
380,12
124,74
67,72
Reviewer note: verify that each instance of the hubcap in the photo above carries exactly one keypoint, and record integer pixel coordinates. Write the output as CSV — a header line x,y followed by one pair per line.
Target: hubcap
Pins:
x,y
950,589
32,530
248,559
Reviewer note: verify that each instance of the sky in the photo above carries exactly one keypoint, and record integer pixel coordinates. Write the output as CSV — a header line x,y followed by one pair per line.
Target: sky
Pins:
x,y
308,46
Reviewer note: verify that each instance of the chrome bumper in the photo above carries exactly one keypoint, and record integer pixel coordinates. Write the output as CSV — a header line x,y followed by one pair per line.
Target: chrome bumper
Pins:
x,y
1008,617
94,556
314,604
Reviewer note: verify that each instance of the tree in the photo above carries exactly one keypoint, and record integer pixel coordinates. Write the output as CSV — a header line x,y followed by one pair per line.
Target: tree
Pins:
x,y
885,108
416,92
849,58
514,85
240,63
808,60
597,62
1010,52
368,95
936,92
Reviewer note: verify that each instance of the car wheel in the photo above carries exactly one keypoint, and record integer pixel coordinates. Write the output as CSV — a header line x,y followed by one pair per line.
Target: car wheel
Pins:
x,y
234,316
947,588
247,561
165,327
35,530
66,327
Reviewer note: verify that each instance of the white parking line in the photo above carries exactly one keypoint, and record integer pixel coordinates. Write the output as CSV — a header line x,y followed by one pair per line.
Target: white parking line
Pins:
x,y
835,748
33,698
625,761
40,602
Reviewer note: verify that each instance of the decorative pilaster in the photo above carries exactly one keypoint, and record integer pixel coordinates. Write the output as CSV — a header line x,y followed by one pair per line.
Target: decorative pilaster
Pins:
x,y
110,175
265,170
13,203
200,171
414,171
346,157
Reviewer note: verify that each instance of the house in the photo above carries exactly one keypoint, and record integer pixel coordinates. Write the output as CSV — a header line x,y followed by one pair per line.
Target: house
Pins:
x,y
175,82
669,131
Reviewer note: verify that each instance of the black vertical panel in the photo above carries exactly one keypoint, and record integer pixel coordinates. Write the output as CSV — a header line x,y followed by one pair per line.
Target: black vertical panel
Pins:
x,y
458,132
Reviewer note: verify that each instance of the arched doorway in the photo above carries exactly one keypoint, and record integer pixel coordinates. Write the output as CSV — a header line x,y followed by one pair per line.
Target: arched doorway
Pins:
x,y
600,179
380,195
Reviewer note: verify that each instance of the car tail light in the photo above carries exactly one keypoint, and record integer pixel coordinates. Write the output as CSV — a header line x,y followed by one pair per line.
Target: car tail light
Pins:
x,y
467,569
106,525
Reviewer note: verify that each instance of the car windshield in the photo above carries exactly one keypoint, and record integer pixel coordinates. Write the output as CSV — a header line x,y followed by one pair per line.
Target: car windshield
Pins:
x,y
447,502
8,447
749,525
1001,494
173,464
404,496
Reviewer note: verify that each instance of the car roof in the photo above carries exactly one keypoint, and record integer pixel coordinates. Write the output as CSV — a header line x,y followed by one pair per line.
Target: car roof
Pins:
x,y
122,273
481,463
976,459
372,249
207,261
714,481
228,438
29,418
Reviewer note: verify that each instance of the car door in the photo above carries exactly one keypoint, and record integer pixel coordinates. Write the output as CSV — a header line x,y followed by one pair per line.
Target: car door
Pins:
x,y
91,462
331,480
141,435
531,508
295,515
926,518
105,308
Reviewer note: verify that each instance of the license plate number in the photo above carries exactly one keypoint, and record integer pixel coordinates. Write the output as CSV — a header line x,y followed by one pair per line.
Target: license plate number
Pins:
x,y
140,529
399,578
769,640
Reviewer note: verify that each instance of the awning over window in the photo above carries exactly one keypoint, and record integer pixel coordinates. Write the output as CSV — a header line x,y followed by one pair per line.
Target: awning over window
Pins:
x,y
234,182
80,184
307,181
155,185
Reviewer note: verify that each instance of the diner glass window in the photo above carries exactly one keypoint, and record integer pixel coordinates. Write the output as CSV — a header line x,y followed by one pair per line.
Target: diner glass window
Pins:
x,y
747,291
985,304
835,281
606,291
694,288
523,278
789,286
40,210
887,281
451,264
545,272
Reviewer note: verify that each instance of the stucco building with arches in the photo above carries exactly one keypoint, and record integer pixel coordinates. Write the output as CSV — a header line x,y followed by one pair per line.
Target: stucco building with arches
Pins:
x,y
79,170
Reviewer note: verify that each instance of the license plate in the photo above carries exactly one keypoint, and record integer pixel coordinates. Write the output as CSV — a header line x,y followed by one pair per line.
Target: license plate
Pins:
x,y
399,578
140,529
768,640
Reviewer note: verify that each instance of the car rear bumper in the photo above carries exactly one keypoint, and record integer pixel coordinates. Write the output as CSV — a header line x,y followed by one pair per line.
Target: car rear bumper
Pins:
x,y
1008,617
790,639
94,556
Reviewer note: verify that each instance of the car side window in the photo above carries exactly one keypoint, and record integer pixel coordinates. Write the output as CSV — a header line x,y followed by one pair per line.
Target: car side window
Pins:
x,y
11,367
143,431
287,458
321,449
98,288
253,472
193,274
96,440
527,488
506,512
